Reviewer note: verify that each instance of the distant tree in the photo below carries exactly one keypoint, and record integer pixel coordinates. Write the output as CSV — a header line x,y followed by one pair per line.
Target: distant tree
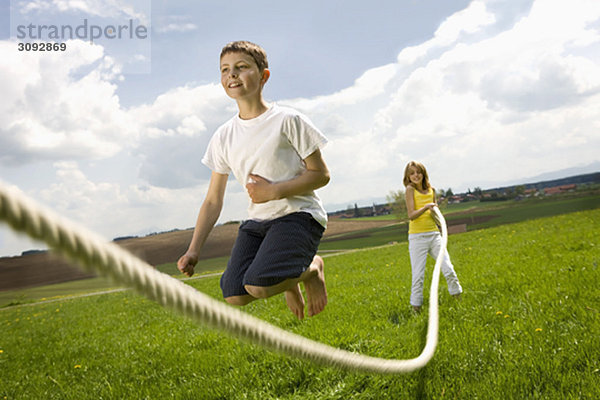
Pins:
x,y
441,198
477,191
520,190
449,192
356,211
397,203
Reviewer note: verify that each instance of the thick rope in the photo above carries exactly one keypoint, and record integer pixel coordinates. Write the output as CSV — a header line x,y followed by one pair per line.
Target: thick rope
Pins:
x,y
94,253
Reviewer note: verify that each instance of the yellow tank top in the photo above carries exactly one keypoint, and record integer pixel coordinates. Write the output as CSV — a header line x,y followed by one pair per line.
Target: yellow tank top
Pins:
x,y
424,223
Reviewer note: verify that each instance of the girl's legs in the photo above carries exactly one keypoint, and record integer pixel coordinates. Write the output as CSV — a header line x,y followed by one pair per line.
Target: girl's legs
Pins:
x,y
418,247
454,287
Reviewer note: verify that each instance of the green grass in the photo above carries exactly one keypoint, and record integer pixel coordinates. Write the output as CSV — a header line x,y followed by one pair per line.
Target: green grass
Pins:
x,y
54,292
366,238
527,327
516,211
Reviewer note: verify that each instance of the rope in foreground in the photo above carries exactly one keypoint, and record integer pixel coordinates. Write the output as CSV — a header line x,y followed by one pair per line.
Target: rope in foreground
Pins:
x,y
93,253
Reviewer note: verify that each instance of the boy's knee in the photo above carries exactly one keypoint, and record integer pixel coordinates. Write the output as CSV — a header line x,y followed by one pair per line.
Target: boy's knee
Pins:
x,y
259,292
238,300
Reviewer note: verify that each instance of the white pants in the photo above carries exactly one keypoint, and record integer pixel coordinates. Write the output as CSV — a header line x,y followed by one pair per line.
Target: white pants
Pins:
x,y
419,245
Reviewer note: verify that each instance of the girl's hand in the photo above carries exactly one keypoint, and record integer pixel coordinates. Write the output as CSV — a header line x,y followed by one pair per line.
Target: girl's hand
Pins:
x,y
260,189
430,206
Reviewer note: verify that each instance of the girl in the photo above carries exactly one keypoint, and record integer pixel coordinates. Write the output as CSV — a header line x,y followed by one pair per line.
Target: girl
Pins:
x,y
423,234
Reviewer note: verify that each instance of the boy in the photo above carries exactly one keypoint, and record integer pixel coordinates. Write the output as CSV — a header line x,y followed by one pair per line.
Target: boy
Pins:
x,y
275,153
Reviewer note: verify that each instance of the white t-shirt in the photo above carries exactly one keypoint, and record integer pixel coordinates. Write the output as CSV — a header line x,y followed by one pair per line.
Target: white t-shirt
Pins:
x,y
272,145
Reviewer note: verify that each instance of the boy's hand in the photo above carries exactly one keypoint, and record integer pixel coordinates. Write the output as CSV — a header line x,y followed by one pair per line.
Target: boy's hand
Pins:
x,y
260,189
186,263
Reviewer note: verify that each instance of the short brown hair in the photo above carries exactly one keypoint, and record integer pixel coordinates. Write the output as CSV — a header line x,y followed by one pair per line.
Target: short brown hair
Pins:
x,y
253,50
420,168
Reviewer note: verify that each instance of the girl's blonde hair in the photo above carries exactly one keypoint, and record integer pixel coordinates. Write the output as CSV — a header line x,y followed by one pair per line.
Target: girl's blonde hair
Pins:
x,y
420,168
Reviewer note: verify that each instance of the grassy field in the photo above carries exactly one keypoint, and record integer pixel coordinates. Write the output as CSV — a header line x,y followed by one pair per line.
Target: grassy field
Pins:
x,y
79,287
527,327
476,215
516,211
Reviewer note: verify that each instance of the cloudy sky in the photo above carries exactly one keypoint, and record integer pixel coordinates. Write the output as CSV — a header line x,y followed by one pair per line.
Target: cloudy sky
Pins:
x,y
110,133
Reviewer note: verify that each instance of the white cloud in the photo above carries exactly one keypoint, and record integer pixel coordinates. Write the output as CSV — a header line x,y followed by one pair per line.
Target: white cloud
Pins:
x,y
175,23
176,129
63,106
370,84
182,109
471,20
101,8
113,209
177,27
49,113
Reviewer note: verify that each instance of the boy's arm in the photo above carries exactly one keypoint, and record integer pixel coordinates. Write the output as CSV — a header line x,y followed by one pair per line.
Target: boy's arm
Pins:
x,y
315,176
207,217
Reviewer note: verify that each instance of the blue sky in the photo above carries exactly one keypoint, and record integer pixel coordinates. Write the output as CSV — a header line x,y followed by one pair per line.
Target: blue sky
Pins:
x,y
483,92
315,47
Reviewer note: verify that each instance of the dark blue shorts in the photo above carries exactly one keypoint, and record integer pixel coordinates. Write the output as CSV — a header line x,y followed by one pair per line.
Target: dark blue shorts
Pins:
x,y
266,253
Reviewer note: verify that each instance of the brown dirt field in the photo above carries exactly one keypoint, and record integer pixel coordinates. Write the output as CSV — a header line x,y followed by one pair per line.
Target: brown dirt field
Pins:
x,y
36,270
340,226
46,268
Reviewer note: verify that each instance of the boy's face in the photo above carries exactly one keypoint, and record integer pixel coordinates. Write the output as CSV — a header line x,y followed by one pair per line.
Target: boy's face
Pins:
x,y
241,77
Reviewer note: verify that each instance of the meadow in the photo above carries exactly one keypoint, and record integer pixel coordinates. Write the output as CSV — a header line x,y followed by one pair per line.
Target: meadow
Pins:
x,y
526,328
475,215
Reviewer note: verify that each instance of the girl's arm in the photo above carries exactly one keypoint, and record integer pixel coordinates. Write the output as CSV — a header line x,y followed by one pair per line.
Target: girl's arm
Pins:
x,y
410,204
315,176
207,217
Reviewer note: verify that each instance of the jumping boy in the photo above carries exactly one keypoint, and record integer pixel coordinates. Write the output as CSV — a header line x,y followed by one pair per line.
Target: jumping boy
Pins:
x,y
274,152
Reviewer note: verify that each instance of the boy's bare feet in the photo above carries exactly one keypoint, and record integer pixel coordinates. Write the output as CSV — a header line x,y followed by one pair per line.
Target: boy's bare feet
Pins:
x,y
316,291
295,301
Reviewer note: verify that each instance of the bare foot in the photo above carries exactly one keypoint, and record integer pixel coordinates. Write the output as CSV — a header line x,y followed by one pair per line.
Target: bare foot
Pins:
x,y
295,301
316,292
